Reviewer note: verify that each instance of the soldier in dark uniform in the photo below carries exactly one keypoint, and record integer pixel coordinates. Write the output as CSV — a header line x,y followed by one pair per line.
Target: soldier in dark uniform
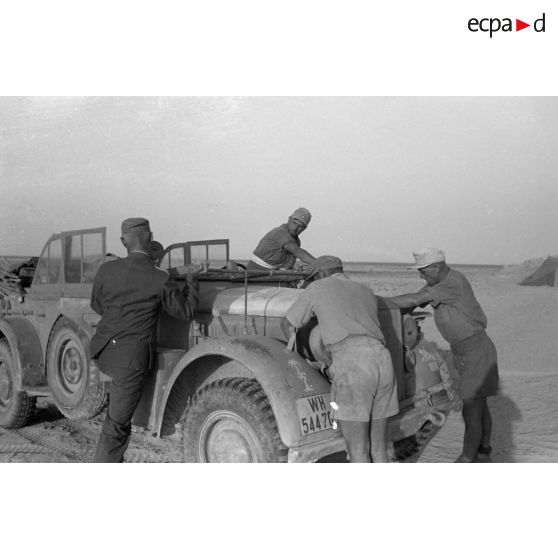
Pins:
x,y
128,293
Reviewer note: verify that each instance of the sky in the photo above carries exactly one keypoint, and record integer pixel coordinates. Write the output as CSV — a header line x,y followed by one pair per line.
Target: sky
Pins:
x,y
382,176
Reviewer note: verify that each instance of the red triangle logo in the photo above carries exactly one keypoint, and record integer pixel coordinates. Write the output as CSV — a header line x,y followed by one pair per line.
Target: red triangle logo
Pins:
x,y
519,25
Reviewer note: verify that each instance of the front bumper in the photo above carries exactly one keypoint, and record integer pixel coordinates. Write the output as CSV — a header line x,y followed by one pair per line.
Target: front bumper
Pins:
x,y
316,450
432,406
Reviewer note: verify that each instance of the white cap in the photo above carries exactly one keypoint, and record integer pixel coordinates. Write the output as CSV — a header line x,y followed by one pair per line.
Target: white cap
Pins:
x,y
427,256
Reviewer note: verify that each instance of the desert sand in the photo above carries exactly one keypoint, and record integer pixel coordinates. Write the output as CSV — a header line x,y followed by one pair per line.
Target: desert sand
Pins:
x,y
522,321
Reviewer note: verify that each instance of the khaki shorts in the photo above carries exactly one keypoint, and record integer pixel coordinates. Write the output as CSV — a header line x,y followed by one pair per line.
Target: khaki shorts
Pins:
x,y
363,383
476,361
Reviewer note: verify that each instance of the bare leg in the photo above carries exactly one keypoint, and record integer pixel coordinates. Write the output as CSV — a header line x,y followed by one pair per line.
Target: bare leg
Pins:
x,y
357,436
378,442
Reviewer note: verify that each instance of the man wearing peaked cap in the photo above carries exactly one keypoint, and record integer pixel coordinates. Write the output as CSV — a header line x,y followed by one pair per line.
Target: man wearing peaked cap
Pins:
x,y
363,391
462,323
280,247
128,293
427,256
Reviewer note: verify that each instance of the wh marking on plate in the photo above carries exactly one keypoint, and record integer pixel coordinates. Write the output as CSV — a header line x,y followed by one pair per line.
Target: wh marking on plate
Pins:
x,y
314,413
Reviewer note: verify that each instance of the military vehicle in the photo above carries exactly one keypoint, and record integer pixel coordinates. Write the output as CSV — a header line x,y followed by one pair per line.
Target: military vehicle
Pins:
x,y
229,382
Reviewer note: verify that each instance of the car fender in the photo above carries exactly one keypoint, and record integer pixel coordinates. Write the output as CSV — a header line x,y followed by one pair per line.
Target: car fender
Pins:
x,y
26,352
285,376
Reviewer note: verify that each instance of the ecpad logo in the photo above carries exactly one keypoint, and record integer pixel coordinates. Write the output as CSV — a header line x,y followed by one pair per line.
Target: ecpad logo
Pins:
x,y
492,25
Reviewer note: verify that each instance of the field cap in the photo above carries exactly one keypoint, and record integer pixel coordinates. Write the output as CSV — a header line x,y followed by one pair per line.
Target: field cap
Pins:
x,y
427,256
156,245
156,249
323,263
303,215
135,225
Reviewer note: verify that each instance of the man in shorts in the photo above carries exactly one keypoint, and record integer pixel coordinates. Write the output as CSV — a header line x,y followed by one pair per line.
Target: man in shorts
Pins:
x,y
280,247
462,323
364,391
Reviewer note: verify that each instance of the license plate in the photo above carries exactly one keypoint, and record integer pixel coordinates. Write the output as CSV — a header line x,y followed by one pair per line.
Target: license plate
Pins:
x,y
314,413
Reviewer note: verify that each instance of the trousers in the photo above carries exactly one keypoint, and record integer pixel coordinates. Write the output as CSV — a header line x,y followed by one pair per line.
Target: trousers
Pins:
x,y
124,395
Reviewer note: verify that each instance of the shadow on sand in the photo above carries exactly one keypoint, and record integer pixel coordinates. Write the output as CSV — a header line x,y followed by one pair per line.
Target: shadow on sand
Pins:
x,y
46,412
505,413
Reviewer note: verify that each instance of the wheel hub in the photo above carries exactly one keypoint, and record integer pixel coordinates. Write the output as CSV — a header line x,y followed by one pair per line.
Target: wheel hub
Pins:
x,y
227,438
5,384
71,367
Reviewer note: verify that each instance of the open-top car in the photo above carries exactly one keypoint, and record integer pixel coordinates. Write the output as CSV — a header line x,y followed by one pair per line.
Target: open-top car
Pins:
x,y
229,381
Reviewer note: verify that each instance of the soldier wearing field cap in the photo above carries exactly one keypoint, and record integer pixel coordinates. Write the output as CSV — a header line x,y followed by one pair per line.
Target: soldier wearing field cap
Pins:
x,y
462,323
128,293
280,247
363,391
156,251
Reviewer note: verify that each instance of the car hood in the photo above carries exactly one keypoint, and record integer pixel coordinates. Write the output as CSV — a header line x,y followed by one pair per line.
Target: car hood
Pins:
x,y
261,301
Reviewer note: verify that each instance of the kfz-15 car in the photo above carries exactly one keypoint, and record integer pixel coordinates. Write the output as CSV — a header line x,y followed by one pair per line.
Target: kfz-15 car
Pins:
x,y
228,381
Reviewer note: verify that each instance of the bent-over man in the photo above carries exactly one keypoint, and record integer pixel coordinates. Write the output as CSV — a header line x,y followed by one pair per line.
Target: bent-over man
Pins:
x,y
363,391
280,247
462,323
128,293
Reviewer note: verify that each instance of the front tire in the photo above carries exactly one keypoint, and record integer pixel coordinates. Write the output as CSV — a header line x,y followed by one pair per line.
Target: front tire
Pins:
x,y
231,421
74,381
16,407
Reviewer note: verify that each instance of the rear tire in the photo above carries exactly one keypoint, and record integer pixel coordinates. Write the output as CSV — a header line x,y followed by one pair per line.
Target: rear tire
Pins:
x,y
16,407
231,421
74,380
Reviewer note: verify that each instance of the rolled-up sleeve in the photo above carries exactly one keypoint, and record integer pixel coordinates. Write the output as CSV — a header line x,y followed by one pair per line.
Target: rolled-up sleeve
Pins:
x,y
301,310
445,292
282,237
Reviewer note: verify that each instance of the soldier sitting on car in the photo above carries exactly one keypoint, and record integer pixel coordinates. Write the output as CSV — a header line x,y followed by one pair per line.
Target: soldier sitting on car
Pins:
x,y
280,247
